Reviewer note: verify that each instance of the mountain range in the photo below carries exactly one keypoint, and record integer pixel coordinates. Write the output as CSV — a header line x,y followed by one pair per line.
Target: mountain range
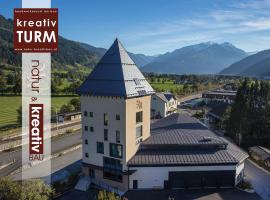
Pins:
x,y
71,54
254,65
203,58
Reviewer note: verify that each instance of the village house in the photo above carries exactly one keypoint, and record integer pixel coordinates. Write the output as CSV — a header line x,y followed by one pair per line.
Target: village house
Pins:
x,y
163,104
122,151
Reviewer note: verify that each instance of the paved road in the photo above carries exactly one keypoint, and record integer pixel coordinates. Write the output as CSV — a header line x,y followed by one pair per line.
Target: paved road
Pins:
x,y
187,98
259,178
58,144
57,164
19,137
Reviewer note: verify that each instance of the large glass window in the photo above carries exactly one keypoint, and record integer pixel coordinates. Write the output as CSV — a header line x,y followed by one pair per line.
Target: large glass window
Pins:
x,y
117,117
139,131
116,150
91,114
100,147
106,119
139,117
112,169
106,134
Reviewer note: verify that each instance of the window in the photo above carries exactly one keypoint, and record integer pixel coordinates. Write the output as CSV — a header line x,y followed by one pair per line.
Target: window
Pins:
x,y
139,117
91,173
135,184
117,117
86,155
106,134
91,129
85,113
106,119
112,169
117,133
116,150
85,141
91,114
86,128
139,131
100,147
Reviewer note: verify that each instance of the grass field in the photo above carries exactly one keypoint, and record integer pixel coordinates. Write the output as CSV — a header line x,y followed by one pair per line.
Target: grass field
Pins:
x,y
9,105
167,86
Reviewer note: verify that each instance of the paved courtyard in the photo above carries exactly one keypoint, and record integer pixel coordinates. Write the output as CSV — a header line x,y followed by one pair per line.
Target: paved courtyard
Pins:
x,y
259,178
213,194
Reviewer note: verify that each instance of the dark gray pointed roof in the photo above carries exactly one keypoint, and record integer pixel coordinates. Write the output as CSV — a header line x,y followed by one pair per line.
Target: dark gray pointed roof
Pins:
x,y
116,75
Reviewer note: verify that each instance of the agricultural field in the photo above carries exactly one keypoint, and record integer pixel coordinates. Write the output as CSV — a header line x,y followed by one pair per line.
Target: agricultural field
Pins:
x,y
166,86
9,105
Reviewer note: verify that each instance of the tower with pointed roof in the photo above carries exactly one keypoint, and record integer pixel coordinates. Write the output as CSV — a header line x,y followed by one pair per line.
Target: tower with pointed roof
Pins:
x,y
115,104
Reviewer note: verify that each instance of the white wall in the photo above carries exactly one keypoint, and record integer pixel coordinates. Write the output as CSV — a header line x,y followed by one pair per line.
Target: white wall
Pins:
x,y
161,106
154,177
99,106
239,172
172,104
158,105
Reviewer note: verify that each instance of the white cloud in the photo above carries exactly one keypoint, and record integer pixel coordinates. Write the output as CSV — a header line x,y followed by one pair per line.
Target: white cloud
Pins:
x,y
215,25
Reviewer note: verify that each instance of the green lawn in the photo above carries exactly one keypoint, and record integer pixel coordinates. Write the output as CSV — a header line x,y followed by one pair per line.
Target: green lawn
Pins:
x,y
9,105
167,86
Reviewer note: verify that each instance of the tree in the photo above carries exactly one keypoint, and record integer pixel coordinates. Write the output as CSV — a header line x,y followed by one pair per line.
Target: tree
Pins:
x,y
249,120
74,87
33,189
9,190
75,103
17,88
103,195
66,108
54,87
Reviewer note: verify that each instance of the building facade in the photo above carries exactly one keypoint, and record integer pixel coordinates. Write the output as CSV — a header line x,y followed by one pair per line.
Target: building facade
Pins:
x,y
121,151
115,103
225,96
163,104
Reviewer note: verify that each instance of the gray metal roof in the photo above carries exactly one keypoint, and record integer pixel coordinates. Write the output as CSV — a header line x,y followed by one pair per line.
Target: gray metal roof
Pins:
x,y
165,96
180,139
191,157
116,75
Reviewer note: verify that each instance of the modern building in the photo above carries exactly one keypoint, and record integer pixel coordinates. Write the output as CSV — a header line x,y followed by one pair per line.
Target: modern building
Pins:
x,y
163,104
226,96
115,100
120,150
182,153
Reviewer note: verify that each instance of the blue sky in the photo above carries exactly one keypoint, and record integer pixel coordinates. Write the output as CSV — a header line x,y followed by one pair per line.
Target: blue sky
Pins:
x,y
157,26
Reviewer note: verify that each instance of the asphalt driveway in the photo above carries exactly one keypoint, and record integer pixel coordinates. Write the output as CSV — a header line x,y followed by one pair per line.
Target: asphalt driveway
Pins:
x,y
259,178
